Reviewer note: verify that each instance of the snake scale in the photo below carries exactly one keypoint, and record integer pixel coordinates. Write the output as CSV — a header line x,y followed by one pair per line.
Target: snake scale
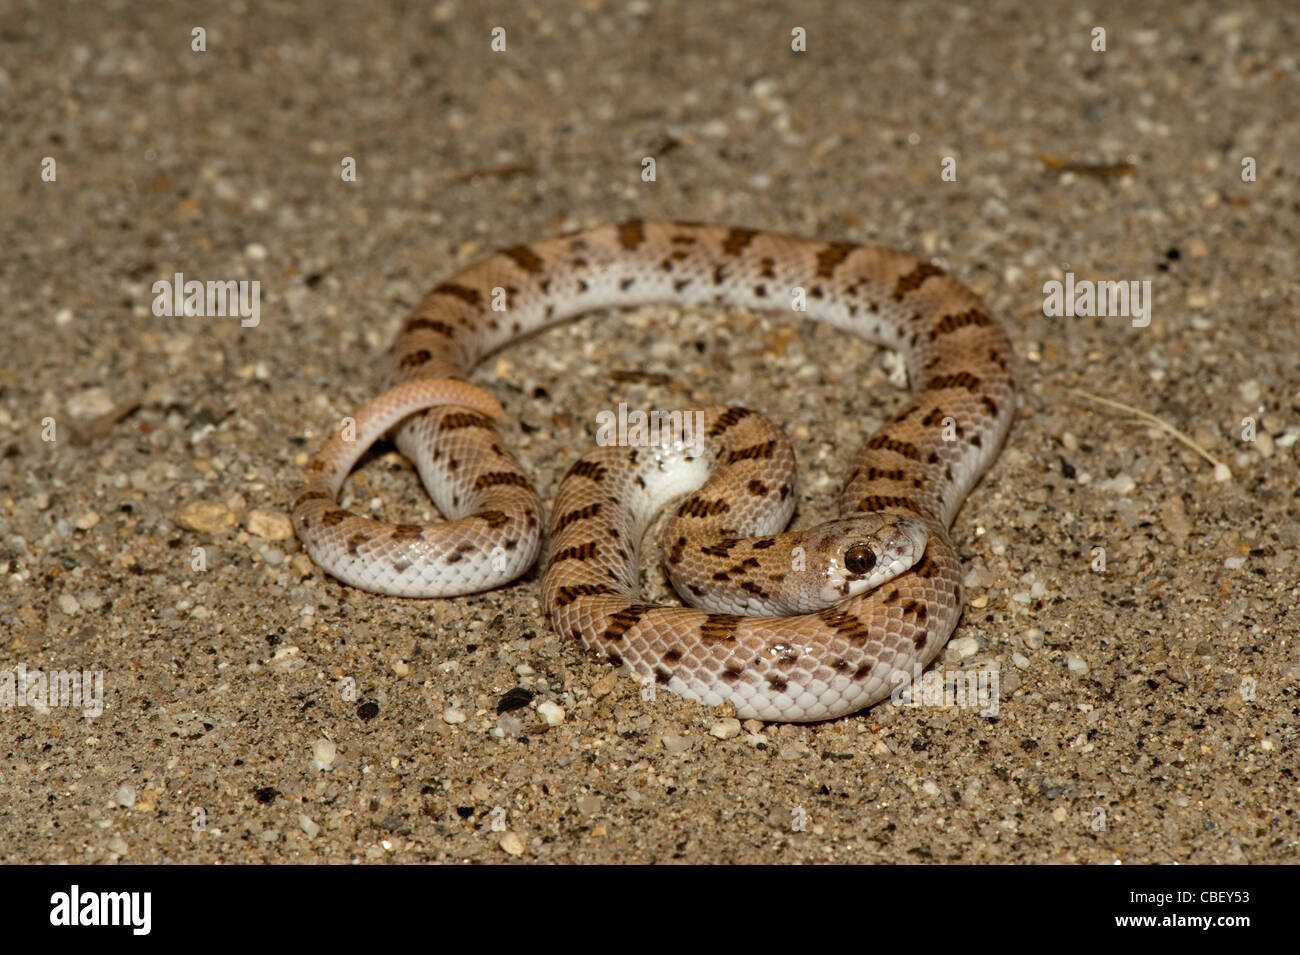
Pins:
x,y
863,597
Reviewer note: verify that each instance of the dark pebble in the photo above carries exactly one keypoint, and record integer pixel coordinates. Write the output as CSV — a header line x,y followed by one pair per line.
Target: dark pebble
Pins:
x,y
514,699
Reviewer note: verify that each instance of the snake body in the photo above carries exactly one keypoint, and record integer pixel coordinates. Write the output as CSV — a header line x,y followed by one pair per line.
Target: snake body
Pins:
x,y
840,646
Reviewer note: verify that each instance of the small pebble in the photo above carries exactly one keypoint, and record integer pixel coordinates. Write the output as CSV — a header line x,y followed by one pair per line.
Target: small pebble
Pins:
x,y
512,844
1020,660
964,647
725,729
551,712
1119,484
68,604
308,826
206,517
1077,665
324,752
85,520
674,743
269,525
605,685
125,796
453,716
90,403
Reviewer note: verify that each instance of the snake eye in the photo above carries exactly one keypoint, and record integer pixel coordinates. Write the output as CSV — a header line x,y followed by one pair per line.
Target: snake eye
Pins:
x,y
859,559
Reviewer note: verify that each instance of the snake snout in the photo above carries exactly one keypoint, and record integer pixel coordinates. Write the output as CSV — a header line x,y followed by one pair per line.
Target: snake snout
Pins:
x,y
908,541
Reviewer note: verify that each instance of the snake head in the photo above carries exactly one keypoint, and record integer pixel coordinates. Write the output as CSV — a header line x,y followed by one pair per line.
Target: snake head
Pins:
x,y
853,555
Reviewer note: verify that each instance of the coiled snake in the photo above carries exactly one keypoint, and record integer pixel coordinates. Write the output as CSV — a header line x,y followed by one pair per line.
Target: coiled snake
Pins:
x,y
865,596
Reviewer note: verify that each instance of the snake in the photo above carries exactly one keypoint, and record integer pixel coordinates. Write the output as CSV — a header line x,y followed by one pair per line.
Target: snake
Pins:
x,y
799,626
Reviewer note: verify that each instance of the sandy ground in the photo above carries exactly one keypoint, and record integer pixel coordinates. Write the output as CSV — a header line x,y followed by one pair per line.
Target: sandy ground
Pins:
x,y
1147,710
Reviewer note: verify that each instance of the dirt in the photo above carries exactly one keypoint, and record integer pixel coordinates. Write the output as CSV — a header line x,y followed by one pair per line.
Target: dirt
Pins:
x,y
1137,603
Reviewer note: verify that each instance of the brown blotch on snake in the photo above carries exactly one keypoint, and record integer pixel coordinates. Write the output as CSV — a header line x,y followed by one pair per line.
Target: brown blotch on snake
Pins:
x,y
728,419
695,507
847,625
496,519
572,592
833,256
756,452
736,241
581,552
499,478
588,469
309,496
914,279
904,448
951,323
467,295
524,257
719,627
463,419
623,621
579,514
420,324
883,502
631,234
415,359
960,380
